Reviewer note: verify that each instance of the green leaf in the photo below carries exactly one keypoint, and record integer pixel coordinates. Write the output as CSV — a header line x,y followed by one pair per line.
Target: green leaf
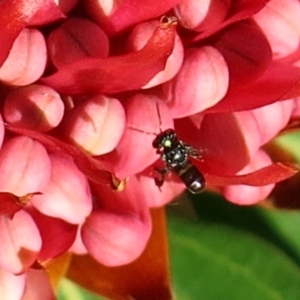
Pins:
x,y
69,290
290,142
280,227
211,261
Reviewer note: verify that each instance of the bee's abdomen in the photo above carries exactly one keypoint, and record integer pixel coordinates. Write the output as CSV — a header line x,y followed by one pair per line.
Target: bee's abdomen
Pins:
x,y
192,178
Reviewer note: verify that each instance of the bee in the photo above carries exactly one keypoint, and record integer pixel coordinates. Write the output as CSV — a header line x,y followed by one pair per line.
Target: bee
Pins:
x,y
176,155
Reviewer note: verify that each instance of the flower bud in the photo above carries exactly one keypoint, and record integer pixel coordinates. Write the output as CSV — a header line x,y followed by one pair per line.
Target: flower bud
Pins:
x,y
34,107
201,15
67,196
20,242
279,20
27,59
201,82
96,125
24,166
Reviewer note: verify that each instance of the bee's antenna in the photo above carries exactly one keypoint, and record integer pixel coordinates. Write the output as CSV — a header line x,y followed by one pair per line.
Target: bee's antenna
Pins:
x,y
159,123
159,117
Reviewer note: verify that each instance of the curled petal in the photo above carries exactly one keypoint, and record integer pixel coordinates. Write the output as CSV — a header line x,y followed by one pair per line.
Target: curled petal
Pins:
x,y
115,16
67,196
20,242
96,125
48,12
38,285
57,235
9,205
137,40
11,286
279,82
74,39
245,194
134,151
25,166
246,51
201,82
201,15
280,16
271,174
221,143
120,227
27,59
116,73
34,107
67,5
91,167
257,126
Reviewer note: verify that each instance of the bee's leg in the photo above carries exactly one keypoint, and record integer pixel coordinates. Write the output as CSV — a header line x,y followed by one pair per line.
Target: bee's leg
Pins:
x,y
161,172
194,153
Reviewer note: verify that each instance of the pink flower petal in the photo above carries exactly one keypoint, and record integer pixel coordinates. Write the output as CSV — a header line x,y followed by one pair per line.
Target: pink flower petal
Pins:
x,y
280,16
296,109
239,10
245,194
48,12
277,83
67,196
116,73
9,205
20,242
25,166
137,40
200,15
76,38
27,59
78,246
11,286
146,116
38,286
2,131
271,174
156,196
96,125
92,168
120,227
245,50
57,235
15,15
258,125
228,141
221,142
115,16
34,107
67,5
201,82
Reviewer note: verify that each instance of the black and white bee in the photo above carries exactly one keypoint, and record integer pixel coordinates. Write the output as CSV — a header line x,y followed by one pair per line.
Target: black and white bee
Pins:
x,y
176,155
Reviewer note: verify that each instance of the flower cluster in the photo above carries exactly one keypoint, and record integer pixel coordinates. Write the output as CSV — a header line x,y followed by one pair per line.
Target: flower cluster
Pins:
x,y
85,88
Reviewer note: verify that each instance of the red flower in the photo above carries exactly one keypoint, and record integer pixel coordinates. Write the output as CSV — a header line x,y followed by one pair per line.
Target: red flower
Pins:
x,y
83,100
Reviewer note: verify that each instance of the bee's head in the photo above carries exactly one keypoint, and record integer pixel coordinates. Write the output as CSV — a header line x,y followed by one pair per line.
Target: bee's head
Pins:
x,y
165,139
